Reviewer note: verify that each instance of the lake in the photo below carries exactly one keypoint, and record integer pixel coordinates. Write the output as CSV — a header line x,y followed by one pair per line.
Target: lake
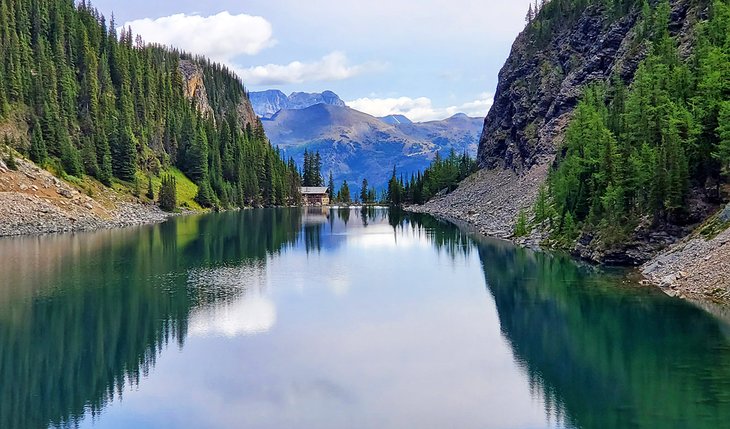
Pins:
x,y
293,318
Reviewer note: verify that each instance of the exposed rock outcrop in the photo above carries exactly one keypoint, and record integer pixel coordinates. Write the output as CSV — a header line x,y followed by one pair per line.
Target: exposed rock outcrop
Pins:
x,y
195,89
194,86
246,115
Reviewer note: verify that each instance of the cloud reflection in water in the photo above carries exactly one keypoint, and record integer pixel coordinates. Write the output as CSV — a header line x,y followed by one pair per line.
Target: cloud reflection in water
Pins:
x,y
243,307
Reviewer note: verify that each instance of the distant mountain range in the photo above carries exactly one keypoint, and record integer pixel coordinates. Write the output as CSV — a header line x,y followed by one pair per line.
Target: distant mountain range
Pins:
x,y
267,103
355,145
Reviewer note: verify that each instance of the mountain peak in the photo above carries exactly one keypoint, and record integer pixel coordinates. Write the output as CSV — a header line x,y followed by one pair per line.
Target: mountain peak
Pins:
x,y
267,103
396,120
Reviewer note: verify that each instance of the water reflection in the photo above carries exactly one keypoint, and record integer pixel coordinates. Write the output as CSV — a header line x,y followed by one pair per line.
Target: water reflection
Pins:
x,y
84,317
238,304
602,355
599,351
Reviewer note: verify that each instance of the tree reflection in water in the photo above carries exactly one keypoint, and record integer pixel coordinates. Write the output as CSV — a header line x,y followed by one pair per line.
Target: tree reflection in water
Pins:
x,y
82,316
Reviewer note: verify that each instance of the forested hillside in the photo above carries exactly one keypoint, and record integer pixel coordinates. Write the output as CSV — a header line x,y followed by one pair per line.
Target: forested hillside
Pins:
x,y
80,99
653,151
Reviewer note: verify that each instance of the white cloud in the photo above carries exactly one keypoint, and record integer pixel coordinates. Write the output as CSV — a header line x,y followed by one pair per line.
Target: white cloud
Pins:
x,y
221,37
331,67
422,108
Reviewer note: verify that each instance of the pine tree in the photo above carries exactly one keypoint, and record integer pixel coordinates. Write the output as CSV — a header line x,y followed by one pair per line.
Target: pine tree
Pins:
x,y
104,160
521,228
343,195
317,178
70,157
205,195
364,192
541,209
307,170
38,152
331,187
89,158
530,15
722,152
150,189
125,155
168,193
395,191
4,107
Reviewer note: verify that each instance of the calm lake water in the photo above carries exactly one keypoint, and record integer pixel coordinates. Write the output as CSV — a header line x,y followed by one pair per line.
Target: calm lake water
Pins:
x,y
341,319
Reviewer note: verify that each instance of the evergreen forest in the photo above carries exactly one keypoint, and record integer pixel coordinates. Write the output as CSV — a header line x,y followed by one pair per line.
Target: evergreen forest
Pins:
x,y
86,100
639,152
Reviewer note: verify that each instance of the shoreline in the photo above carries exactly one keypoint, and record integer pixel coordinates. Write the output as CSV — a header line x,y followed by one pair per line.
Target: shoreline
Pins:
x,y
695,269
35,217
35,202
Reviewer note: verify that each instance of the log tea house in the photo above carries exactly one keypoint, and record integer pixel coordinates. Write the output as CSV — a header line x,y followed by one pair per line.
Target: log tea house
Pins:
x,y
315,196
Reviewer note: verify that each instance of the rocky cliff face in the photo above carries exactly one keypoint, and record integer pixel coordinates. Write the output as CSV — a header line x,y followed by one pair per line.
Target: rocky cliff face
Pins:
x,y
539,86
194,86
246,115
195,89
302,100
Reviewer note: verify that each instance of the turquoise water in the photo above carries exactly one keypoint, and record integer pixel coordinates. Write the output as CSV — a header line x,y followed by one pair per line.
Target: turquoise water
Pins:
x,y
333,319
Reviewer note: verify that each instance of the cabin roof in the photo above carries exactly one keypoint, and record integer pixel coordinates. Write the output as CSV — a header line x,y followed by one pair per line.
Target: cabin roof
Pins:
x,y
316,190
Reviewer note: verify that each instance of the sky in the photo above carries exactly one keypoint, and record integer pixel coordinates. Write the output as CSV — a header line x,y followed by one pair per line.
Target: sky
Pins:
x,y
426,59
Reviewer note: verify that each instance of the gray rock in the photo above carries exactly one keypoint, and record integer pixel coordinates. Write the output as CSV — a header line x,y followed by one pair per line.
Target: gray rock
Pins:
x,y
724,215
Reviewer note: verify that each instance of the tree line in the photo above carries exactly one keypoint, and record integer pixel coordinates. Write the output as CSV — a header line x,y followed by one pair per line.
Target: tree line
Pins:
x,y
109,106
442,175
545,17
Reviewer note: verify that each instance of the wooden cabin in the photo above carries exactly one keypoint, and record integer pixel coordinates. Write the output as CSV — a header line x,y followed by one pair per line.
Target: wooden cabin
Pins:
x,y
315,196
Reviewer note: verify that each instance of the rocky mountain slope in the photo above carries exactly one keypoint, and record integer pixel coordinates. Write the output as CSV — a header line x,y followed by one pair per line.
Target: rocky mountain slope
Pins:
x,y
33,201
542,82
194,86
698,266
355,145
267,103
537,90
